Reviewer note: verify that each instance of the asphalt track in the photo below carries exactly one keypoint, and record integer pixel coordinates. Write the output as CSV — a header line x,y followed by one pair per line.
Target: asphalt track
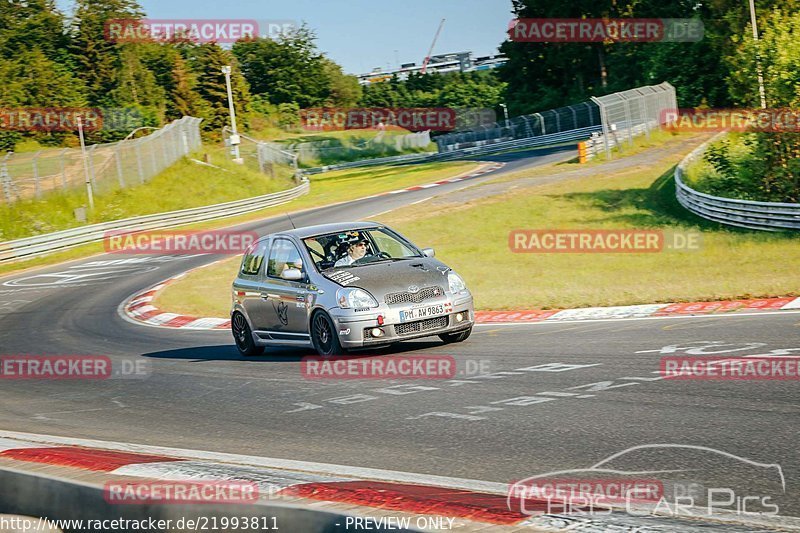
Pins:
x,y
600,384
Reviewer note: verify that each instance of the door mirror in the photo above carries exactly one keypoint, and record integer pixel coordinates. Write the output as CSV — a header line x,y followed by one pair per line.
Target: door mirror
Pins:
x,y
428,252
292,274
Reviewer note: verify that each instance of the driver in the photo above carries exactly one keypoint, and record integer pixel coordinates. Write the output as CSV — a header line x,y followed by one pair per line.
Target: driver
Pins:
x,y
356,249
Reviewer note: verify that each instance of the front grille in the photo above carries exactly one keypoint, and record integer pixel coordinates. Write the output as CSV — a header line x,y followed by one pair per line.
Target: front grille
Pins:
x,y
414,297
421,325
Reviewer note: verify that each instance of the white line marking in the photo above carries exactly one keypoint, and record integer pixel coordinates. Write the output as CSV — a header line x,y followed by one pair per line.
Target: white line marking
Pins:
x,y
794,304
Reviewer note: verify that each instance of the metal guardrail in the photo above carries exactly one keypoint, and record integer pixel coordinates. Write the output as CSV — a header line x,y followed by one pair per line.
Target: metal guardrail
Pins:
x,y
765,216
70,238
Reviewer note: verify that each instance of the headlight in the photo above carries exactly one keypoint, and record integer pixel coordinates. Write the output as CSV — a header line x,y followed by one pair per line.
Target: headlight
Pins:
x,y
455,282
355,298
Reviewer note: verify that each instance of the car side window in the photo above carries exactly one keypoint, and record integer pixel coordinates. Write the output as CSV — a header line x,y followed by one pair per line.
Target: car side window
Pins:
x,y
253,258
283,255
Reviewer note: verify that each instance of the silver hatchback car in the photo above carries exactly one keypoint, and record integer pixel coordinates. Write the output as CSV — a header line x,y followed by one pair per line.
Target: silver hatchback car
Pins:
x,y
336,287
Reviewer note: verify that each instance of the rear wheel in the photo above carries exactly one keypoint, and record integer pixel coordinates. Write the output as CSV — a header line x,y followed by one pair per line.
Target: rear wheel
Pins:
x,y
458,336
244,336
323,335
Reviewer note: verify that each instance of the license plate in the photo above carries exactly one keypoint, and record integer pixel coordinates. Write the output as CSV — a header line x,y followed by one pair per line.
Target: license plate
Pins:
x,y
419,313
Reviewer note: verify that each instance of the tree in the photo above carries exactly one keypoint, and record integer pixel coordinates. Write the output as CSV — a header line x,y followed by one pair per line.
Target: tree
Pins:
x,y
289,69
774,162
344,90
29,24
96,57
208,63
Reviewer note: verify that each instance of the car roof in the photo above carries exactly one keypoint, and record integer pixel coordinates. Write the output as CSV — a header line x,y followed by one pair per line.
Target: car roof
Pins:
x,y
321,229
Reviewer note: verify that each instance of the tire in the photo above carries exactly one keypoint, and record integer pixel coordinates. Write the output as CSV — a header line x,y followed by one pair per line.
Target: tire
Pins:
x,y
243,336
323,335
459,336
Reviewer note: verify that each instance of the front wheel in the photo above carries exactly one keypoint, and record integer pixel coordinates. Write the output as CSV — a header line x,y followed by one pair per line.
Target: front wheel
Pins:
x,y
244,336
459,336
323,336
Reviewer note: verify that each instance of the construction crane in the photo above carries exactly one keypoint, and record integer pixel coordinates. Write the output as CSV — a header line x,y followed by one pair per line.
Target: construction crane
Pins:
x,y
428,57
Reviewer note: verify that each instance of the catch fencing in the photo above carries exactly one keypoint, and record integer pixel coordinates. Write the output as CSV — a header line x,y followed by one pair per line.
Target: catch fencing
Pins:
x,y
624,114
105,166
333,151
559,120
267,158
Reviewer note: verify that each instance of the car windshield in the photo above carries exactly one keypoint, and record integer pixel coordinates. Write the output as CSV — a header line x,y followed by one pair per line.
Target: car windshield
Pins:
x,y
358,247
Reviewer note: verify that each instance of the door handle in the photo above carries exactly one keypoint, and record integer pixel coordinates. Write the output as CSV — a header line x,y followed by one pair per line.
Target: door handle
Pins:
x,y
267,296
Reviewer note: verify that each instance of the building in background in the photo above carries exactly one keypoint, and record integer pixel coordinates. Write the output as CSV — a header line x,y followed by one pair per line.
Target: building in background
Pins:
x,y
440,63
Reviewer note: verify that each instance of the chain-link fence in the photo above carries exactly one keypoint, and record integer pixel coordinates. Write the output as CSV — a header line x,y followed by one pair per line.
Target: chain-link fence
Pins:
x,y
630,112
567,118
627,114
331,151
267,158
104,168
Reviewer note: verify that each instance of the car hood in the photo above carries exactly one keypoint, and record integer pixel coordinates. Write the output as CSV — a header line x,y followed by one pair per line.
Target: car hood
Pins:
x,y
395,276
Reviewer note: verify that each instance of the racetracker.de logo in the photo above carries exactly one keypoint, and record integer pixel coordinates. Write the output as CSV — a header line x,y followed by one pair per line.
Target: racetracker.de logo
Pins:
x,y
178,242
179,492
554,30
757,120
731,368
194,30
50,119
601,241
55,367
407,118
386,367
559,495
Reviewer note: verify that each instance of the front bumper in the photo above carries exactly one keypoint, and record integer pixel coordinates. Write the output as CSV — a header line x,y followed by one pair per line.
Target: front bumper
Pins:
x,y
354,328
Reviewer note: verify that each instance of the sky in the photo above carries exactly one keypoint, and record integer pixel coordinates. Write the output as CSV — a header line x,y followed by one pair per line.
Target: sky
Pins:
x,y
362,34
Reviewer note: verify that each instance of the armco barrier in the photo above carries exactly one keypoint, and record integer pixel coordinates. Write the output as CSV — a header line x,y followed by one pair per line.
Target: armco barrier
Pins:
x,y
27,494
765,216
60,240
